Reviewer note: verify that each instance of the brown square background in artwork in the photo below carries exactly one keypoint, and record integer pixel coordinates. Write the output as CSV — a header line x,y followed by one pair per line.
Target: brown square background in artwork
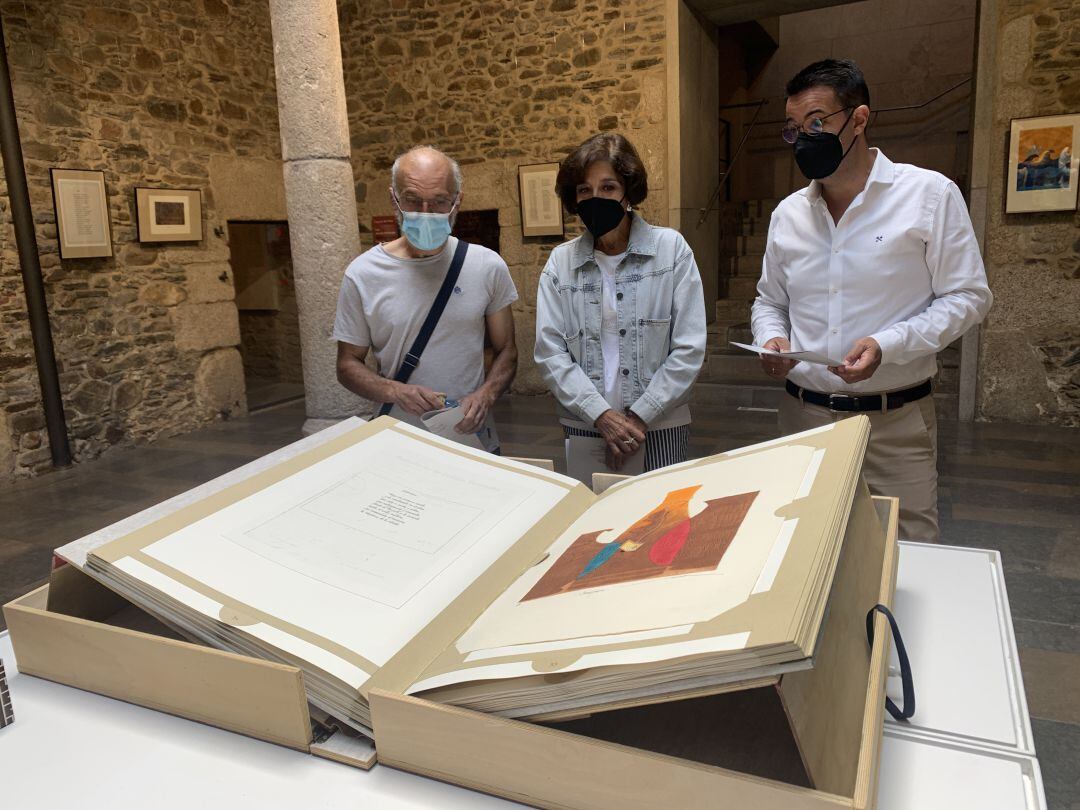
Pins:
x,y
665,542
169,213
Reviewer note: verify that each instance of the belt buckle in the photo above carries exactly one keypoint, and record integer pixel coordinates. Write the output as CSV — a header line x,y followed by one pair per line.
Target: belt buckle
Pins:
x,y
838,398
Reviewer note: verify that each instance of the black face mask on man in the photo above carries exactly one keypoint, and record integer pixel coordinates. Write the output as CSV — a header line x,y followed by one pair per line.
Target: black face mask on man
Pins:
x,y
820,155
600,215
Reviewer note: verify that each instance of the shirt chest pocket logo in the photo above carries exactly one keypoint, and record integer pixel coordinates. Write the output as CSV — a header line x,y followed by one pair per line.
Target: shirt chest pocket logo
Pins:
x,y
654,343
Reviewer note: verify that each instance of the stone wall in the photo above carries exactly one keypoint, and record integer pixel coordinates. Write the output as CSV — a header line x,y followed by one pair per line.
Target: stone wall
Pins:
x,y
909,51
151,92
497,85
1029,361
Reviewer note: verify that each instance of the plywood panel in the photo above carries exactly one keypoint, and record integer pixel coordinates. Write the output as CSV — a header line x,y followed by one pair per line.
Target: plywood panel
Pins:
x,y
827,703
253,697
554,769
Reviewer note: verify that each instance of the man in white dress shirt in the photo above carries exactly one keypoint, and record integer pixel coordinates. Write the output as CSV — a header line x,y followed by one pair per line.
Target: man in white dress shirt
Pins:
x,y
875,265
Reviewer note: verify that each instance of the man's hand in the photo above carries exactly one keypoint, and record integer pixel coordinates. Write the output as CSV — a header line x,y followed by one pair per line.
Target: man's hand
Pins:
x,y
861,362
474,408
416,399
622,435
774,366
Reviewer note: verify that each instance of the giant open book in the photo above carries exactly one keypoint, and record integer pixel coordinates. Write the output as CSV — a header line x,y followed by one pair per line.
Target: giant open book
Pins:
x,y
391,558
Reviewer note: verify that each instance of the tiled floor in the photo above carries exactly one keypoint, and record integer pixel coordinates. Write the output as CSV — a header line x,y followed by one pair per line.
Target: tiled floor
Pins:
x,y
1013,488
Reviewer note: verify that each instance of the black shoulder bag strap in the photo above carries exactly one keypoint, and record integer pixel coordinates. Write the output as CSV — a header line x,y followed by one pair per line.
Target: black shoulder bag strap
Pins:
x,y
905,665
412,357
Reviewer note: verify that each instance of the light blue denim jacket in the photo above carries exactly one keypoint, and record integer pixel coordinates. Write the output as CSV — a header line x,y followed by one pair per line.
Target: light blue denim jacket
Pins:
x,y
661,312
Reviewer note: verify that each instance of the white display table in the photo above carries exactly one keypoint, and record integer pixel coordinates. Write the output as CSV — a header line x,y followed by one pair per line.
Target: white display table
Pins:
x,y
969,744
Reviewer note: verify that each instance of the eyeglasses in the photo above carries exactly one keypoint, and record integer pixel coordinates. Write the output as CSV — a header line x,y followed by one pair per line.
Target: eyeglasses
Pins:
x,y
412,203
814,126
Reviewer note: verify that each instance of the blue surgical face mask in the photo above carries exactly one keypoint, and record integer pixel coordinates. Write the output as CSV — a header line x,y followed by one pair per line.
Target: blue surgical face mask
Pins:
x,y
425,231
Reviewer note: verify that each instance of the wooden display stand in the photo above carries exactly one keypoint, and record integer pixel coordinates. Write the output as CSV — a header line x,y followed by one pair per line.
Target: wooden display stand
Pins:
x,y
808,739
77,632
804,740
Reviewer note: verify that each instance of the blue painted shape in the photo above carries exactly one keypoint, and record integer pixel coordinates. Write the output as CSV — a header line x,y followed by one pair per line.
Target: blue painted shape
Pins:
x,y
602,556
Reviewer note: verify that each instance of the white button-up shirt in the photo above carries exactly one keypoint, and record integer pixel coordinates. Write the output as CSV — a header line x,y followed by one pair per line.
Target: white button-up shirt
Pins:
x,y
901,266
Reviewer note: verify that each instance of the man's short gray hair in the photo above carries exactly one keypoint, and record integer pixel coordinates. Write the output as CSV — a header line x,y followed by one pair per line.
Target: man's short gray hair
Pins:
x,y
455,169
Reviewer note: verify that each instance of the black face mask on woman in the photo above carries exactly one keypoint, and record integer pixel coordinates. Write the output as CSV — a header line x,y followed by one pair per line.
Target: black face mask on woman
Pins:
x,y
600,215
818,156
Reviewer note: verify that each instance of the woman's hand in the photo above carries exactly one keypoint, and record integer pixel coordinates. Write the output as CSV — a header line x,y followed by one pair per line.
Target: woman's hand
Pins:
x,y
622,436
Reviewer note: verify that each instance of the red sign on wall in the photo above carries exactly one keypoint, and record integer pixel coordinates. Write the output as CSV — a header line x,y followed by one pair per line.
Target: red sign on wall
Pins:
x,y
384,229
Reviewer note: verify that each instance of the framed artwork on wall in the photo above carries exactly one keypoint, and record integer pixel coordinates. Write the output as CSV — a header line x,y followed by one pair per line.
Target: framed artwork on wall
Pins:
x,y
82,213
169,214
1043,163
541,209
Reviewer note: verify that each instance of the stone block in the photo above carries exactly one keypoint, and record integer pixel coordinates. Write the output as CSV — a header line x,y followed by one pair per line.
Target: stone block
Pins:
x,y
206,283
1012,380
7,448
1014,48
126,395
91,397
219,384
310,88
162,294
199,327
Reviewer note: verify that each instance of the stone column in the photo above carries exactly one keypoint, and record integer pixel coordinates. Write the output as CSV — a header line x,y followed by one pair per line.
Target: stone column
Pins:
x,y
319,193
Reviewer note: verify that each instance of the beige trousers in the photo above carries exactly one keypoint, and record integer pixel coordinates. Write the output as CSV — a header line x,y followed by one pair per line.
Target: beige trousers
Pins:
x,y
901,459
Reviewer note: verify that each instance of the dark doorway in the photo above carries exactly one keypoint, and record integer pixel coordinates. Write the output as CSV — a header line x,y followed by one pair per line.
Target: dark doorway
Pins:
x,y
269,323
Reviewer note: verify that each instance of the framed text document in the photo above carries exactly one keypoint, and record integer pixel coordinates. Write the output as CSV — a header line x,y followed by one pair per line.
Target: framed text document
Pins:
x,y
82,213
541,211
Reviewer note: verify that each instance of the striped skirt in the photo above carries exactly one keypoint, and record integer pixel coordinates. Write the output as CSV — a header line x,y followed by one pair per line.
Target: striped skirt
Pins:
x,y
662,447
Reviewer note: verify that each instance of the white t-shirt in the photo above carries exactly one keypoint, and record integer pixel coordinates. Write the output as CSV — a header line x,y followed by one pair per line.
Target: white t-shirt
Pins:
x,y
383,302
609,328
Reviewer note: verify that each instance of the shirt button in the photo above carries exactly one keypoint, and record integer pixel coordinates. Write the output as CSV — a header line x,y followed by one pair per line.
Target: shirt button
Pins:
x,y
836,250
834,291
626,372
618,296
622,332
835,331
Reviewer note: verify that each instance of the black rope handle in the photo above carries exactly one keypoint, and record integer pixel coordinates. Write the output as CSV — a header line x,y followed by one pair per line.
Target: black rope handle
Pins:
x,y
905,664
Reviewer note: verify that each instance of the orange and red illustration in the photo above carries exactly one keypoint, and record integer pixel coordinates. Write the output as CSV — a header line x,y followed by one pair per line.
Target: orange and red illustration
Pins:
x,y
664,542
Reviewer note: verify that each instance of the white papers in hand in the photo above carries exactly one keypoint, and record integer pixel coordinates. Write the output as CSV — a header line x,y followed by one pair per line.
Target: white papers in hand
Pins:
x,y
585,456
443,422
806,357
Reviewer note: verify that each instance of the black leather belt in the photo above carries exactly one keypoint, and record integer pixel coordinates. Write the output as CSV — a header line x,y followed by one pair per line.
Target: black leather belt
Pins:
x,y
853,403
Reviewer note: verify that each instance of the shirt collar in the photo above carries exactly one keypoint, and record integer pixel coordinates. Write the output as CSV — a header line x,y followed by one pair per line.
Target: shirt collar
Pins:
x,y
642,242
883,171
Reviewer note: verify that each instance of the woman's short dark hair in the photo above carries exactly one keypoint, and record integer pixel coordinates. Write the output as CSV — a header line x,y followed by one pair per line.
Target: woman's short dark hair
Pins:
x,y
842,75
616,150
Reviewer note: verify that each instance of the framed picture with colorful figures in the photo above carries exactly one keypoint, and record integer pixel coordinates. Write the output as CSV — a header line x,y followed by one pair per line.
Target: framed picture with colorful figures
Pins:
x,y
169,214
1043,164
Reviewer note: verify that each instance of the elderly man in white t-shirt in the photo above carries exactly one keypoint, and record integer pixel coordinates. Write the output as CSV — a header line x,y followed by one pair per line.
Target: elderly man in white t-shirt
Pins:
x,y
387,292
874,265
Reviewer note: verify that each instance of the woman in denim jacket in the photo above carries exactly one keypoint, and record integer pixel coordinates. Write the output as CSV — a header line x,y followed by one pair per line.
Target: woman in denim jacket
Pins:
x,y
620,313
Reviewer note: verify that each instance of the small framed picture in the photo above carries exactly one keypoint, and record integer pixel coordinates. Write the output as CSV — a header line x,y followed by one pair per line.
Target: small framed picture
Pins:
x,y
82,213
541,209
1043,164
169,214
